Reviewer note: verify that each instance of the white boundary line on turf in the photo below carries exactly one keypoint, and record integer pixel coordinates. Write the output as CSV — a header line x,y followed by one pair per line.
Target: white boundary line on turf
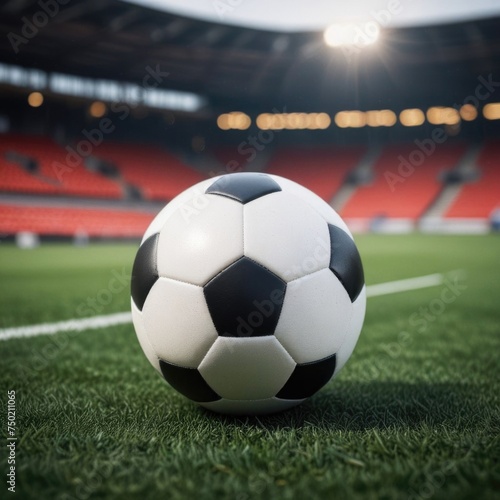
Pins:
x,y
404,285
75,325
95,322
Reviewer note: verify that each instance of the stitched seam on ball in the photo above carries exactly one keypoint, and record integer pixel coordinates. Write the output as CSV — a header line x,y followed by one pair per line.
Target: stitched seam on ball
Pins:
x,y
180,281
243,227
308,274
312,207
279,341
206,354
321,215
284,292
146,337
222,270
178,365
266,268
279,315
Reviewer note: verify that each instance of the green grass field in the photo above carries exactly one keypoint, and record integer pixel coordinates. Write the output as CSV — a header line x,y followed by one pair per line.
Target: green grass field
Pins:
x,y
414,414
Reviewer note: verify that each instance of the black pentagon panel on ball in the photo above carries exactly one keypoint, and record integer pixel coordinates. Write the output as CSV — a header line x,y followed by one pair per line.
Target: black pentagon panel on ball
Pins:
x,y
308,378
244,187
245,299
144,271
189,382
345,262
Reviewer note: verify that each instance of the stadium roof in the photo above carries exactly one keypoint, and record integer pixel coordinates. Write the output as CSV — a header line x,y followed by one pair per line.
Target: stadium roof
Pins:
x,y
262,69
313,15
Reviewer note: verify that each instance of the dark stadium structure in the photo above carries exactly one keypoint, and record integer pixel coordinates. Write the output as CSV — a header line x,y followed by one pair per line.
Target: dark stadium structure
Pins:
x,y
112,168
111,283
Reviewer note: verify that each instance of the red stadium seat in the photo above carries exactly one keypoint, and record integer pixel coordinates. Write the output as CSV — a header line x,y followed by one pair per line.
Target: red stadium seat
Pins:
x,y
14,178
72,221
405,196
158,174
322,170
478,199
56,175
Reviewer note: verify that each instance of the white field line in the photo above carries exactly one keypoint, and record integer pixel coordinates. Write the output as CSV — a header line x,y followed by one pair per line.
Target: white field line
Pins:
x,y
404,285
74,325
95,322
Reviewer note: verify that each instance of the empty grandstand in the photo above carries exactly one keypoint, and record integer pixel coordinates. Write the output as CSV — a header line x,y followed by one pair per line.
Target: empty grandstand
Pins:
x,y
396,139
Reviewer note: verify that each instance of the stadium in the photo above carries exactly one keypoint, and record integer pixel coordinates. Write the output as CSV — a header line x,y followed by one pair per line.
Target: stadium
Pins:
x,y
388,111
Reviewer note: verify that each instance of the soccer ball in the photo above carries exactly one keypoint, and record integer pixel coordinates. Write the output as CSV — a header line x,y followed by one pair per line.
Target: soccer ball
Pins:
x,y
248,293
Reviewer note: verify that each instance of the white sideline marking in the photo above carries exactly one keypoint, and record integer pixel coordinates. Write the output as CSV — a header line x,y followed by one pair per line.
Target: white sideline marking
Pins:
x,y
78,325
404,285
75,325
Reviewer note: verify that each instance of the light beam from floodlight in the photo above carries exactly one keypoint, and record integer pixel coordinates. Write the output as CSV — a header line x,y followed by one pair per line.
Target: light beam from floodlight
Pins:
x,y
351,34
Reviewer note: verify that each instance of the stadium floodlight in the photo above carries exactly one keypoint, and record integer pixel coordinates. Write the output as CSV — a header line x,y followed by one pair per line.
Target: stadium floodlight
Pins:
x,y
234,120
380,118
352,34
492,111
35,99
468,112
293,121
442,115
97,109
412,117
350,119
